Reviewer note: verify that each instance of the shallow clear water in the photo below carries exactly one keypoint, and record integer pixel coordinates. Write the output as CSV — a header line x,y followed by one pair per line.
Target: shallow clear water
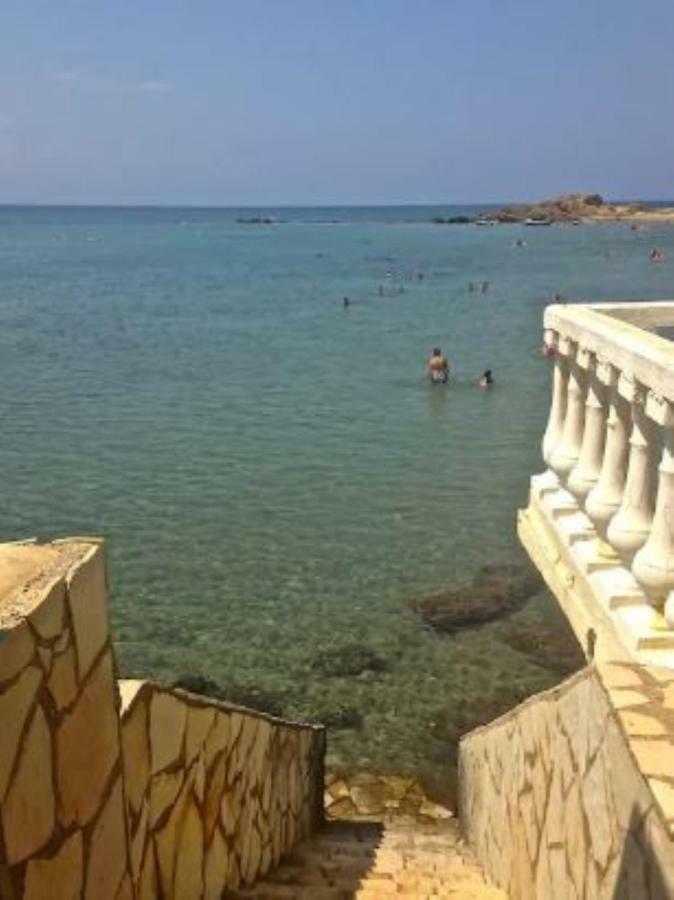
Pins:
x,y
272,473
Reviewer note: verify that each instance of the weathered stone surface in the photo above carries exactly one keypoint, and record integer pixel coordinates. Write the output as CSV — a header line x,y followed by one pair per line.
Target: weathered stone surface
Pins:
x,y
58,877
163,792
147,884
15,704
88,746
168,718
664,791
87,602
640,723
200,779
138,840
594,802
199,723
230,810
189,857
107,851
219,737
668,697
582,835
44,655
62,683
125,891
16,650
166,840
216,867
654,756
214,787
29,807
47,617
136,751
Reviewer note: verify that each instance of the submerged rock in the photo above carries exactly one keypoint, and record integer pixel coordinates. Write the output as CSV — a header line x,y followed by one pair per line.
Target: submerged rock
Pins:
x,y
551,645
348,660
497,590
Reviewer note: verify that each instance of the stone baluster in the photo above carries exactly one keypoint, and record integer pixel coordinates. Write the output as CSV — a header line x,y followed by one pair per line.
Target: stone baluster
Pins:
x,y
653,565
565,455
585,473
603,501
629,528
560,379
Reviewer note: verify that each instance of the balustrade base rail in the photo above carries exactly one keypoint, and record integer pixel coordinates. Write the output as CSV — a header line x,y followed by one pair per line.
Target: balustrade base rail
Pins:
x,y
611,615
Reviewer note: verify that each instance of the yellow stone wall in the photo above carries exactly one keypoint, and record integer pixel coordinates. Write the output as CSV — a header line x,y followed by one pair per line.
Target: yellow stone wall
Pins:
x,y
215,794
168,795
555,805
63,826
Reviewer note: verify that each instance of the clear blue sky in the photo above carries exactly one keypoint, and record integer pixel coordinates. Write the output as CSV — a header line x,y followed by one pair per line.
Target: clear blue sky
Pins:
x,y
334,101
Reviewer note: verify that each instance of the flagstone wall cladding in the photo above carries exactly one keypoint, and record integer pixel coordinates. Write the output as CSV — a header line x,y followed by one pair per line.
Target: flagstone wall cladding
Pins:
x,y
215,794
62,821
170,797
554,804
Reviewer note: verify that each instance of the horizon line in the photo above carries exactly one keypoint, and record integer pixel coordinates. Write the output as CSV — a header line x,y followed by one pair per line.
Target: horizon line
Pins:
x,y
339,205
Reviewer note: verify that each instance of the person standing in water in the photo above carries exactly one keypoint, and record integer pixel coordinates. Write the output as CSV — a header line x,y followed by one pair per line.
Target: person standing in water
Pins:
x,y
437,367
487,380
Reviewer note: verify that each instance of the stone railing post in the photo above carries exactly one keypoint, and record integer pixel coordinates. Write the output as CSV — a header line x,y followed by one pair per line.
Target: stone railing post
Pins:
x,y
653,565
604,499
560,379
629,528
565,455
585,473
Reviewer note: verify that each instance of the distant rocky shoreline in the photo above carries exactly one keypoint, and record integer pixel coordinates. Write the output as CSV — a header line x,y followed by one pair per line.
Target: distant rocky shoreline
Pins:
x,y
569,208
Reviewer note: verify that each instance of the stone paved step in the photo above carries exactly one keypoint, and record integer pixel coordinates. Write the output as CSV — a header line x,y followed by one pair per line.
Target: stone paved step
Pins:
x,y
373,861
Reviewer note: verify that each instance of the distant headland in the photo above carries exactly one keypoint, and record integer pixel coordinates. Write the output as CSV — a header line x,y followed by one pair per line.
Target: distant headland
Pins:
x,y
570,208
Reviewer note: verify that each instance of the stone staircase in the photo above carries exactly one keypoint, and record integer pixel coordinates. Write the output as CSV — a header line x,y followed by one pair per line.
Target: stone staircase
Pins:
x,y
374,861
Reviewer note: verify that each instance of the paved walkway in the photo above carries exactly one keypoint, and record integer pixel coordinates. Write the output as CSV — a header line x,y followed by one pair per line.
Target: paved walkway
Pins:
x,y
374,861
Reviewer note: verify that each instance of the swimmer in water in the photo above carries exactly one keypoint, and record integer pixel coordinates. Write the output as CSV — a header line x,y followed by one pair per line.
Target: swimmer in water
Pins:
x,y
437,367
486,381
346,302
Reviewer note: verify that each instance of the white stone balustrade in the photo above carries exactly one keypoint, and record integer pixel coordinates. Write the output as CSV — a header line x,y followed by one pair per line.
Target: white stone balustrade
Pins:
x,y
560,380
654,563
565,454
603,501
628,530
585,473
603,513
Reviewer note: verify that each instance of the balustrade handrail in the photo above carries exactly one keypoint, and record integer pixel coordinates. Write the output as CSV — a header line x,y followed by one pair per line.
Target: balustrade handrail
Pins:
x,y
617,333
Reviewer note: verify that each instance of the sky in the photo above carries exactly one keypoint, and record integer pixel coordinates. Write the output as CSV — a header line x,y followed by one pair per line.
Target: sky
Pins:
x,y
273,102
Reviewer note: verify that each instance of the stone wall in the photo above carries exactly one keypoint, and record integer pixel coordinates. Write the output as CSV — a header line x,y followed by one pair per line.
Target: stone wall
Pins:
x,y
554,801
63,831
180,797
215,794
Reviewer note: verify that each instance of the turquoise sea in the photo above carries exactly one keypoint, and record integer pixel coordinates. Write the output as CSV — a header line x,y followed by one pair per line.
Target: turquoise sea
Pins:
x,y
273,475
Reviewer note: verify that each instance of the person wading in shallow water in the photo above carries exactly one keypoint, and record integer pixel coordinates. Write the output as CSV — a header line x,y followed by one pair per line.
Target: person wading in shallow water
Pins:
x,y
437,367
487,380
